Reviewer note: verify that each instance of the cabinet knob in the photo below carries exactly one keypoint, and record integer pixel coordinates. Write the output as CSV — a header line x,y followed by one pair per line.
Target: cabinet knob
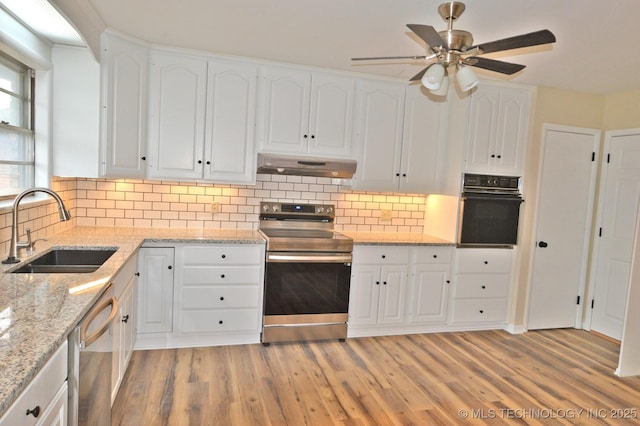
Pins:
x,y
404,175
199,161
313,136
397,174
483,287
137,274
208,163
481,311
542,244
224,256
377,282
448,281
486,262
384,256
384,282
220,322
221,297
125,318
169,267
222,276
499,156
305,136
493,156
143,158
435,256
35,412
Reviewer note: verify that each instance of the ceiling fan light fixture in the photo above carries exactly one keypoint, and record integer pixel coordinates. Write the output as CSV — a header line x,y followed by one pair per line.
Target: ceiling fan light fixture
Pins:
x,y
467,79
432,79
443,90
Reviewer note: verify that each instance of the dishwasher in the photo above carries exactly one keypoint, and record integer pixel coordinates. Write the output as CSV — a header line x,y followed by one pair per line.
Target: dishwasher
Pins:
x,y
90,358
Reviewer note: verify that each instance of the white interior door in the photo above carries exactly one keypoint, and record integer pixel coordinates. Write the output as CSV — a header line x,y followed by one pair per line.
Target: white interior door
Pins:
x,y
617,213
565,205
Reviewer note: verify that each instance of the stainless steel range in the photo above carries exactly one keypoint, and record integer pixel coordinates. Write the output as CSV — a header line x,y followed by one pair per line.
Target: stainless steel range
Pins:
x,y
307,273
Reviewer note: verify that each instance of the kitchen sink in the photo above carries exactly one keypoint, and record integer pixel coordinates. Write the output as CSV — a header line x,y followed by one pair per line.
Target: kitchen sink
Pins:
x,y
67,261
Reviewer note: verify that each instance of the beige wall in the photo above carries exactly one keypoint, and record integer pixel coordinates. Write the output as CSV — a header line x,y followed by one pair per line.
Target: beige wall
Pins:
x,y
552,106
622,111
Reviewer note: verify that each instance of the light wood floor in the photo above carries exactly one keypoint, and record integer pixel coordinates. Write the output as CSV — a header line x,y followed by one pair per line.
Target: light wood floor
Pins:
x,y
540,377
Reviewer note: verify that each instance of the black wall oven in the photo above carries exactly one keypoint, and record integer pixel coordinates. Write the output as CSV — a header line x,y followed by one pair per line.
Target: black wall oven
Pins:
x,y
489,211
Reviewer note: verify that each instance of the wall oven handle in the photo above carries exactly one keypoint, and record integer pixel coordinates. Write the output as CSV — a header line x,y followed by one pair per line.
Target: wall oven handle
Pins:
x,y
309,257
492,197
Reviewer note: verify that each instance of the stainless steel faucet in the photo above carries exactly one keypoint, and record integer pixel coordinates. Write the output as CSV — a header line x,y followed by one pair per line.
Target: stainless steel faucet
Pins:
x,y
12,257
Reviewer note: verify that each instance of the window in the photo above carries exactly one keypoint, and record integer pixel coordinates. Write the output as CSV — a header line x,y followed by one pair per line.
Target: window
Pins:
x,y
17,151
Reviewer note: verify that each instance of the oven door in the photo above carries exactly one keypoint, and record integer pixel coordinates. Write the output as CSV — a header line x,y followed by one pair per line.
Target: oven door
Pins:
x,y
489,220
306,296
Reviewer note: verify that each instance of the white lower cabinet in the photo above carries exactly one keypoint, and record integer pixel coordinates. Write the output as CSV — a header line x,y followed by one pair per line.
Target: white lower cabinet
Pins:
x,y
378,289
155,296
124,328
482,286
429,285
219,293
45,399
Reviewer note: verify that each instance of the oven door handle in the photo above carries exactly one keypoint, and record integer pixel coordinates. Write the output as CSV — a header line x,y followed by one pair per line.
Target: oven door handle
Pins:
x,y
500,197
310,258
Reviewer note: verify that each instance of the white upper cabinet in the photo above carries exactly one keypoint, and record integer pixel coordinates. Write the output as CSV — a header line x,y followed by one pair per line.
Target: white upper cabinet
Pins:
x,y
178,93
125,67
202,118
305,112
498,129
230,127
403,136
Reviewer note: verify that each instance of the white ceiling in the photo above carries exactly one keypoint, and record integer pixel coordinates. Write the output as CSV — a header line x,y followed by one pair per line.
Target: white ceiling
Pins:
x,y
597,49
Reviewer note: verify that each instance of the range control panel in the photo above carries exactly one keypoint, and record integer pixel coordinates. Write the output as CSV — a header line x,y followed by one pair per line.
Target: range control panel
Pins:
x,y
292,209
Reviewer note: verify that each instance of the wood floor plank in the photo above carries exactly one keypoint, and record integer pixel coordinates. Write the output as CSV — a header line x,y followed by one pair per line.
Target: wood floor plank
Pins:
x,y
487,377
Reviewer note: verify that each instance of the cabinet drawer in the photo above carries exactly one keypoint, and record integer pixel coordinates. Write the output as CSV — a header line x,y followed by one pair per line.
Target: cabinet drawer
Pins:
x,y
381,255
482,285
198,275
433,254
209,321
479,310
220,254
485,260
220,297
40,392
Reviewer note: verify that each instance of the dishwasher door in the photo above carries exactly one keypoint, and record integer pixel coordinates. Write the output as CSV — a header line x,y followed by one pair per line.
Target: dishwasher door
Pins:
x,y
90,360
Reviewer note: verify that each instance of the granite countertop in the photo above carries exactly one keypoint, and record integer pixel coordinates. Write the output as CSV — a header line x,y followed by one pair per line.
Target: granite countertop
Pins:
x,y
38,311
393,238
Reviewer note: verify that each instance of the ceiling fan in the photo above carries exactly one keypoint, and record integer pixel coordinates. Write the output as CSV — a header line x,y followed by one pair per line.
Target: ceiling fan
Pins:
x,y
455,48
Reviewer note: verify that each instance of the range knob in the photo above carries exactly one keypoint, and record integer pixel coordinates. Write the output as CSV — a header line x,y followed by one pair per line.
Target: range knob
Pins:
x,y
319,209
329,209
275,207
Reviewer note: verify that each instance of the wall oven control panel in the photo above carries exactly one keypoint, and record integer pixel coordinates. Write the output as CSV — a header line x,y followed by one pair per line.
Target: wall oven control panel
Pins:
x,y
474,182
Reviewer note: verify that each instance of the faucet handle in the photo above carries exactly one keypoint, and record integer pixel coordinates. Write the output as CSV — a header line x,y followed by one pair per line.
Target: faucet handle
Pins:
x,y
31,245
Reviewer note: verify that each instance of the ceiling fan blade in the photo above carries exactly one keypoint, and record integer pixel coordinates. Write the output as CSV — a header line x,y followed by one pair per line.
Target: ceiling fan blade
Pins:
x,y
493,65
375,58
418,76
524,40
429,35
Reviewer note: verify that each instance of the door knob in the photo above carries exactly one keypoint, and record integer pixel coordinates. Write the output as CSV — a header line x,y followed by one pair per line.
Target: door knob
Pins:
x,y
542,244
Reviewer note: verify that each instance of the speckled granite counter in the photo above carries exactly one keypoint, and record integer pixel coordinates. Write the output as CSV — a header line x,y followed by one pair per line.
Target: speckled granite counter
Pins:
x,y
391,238
37,311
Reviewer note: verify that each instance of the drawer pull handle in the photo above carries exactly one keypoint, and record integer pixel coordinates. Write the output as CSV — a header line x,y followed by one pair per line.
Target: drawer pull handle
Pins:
x,y
35,412
125,318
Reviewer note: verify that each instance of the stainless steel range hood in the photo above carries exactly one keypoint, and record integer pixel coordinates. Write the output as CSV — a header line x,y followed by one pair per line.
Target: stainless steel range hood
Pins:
x,y
277,164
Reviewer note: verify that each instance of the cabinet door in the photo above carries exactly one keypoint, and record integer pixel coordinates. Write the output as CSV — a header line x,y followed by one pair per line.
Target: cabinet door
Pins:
x,y
380,109
482,127
124,134
331,116
429,295
364,295
155,296
393,290
177,116
284,110
56,412
424,142
512,131
231,99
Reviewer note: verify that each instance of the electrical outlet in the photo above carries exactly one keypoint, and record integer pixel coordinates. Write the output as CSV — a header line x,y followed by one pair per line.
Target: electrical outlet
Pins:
x,y
214,207
386,214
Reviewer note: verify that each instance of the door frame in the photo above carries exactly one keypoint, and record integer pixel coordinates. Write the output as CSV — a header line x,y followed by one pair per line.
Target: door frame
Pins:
x,y
595,246
586,250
